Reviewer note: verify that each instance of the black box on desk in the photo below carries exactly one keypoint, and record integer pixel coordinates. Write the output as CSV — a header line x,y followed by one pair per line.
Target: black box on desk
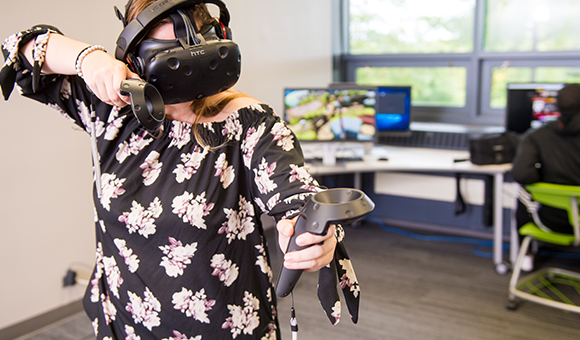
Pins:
x,y
493,149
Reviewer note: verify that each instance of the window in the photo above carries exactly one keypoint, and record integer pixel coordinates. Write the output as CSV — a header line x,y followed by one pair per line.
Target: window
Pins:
x,y
531,25
432,86
411,26
458,56
502,75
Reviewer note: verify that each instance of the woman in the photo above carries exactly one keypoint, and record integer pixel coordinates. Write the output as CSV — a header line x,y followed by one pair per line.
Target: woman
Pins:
x,y
180,247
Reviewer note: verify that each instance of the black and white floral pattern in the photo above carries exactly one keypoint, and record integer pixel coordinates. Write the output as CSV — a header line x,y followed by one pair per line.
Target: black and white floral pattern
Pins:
x,y
180,248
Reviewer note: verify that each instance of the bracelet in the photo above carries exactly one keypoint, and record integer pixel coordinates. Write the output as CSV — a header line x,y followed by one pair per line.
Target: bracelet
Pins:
x,y
83,54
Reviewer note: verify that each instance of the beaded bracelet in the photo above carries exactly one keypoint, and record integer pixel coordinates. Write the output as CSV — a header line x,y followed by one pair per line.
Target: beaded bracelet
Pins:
x,y
82,55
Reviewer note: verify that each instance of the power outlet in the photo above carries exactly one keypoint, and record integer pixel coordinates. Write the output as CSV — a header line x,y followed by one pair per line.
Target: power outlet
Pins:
x,y
70,279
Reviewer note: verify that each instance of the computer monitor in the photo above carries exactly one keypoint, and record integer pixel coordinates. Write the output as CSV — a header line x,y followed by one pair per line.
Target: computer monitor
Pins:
x,y
530,105
331,115
393,110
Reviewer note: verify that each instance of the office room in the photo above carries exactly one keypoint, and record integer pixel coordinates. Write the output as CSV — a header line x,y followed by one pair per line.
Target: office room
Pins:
x,y
429,265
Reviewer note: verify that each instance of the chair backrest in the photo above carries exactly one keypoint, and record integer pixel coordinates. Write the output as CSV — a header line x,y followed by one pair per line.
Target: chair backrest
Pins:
x,y
559,196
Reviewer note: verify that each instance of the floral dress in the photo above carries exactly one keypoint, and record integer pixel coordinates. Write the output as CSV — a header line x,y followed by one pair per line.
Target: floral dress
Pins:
x,y
180,248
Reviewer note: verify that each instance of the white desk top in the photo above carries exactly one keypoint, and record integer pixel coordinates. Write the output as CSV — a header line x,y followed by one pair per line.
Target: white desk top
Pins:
x,y
410,159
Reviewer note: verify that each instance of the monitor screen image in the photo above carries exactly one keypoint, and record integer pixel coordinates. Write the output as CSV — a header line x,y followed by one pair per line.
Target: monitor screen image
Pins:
x,y
323,114
531,105
393,109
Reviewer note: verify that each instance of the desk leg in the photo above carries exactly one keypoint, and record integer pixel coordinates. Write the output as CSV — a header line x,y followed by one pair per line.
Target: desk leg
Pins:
x,y
357,180
501,267
514,237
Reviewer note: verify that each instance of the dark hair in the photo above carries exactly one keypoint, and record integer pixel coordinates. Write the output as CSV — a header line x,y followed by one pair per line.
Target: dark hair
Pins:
x,y
568,101
201,15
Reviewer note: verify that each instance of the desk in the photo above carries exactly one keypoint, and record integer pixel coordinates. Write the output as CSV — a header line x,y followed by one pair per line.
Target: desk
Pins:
x,y
407,159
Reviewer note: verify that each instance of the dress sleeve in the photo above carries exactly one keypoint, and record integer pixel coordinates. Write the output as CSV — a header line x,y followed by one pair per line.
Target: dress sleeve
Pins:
x,y
275,163
281,183
68,94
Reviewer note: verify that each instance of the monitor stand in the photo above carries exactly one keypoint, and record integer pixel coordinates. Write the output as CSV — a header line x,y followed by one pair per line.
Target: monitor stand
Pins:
x,y
329,155
375,153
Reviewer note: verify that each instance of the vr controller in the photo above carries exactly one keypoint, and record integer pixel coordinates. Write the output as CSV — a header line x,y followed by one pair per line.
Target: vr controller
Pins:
x,y
146,103
333,206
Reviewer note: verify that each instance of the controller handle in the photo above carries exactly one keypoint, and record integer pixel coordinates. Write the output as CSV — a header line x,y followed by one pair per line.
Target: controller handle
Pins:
x,y
146,103
333,206
289,277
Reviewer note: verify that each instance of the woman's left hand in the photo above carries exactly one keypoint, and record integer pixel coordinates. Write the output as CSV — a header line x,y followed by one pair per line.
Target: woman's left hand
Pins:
x,y
320,249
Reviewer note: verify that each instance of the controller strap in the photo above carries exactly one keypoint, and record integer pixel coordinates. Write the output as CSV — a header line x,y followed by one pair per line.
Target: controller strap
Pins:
x,y
92,126
94,150
293,322
339,272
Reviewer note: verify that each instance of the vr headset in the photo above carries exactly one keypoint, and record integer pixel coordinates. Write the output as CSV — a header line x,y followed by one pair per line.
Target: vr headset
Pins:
x,y
197,64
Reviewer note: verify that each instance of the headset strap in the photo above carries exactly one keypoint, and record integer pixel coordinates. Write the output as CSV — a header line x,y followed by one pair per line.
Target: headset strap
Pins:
x,y
135,30
184,27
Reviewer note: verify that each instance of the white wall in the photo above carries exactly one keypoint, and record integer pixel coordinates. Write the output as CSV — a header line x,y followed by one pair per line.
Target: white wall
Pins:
x,y
283,43
46,212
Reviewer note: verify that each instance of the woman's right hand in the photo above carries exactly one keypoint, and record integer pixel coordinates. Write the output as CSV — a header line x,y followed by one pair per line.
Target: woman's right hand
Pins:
x,y
103,74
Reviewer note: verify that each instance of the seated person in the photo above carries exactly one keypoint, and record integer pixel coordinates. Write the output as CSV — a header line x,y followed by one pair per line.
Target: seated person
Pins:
x,y
551,154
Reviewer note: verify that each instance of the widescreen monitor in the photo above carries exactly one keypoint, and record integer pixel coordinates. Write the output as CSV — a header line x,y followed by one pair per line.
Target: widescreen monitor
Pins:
x,y
530,105
325,114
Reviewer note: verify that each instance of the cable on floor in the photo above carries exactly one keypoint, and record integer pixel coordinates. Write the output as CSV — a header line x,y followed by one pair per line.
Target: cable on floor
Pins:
x,y
478,244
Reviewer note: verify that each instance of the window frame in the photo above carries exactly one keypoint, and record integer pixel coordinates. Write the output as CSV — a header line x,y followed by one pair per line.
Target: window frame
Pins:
x,y
554,59
478,64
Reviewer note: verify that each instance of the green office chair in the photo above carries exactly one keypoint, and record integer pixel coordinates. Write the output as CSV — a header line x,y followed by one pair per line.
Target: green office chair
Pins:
x,y
552,287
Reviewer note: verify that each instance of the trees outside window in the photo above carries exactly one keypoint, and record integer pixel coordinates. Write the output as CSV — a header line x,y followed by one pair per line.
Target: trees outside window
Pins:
x,y
458,55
